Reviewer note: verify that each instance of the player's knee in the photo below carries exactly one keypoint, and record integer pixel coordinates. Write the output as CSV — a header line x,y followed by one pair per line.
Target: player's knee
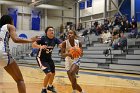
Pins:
x,y
71,73
20,82
49,74
53,74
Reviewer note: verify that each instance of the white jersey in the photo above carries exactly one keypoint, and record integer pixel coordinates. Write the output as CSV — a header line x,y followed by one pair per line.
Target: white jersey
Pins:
x,y
5,57
4,39
68,60
68,45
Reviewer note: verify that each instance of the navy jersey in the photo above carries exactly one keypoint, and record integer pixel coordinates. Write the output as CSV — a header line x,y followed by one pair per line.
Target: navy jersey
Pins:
x,y
45,54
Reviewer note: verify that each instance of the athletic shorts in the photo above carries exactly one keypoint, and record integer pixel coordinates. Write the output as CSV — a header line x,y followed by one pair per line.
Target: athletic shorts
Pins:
x,y
47,66
5,59
69,62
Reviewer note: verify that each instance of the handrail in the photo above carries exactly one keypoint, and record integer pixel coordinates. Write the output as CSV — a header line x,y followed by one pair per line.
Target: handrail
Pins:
x,y
19,50
14,51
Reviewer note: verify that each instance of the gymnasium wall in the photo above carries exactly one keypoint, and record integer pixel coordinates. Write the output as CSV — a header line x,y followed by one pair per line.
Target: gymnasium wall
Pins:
x,y
58,17
97,11
24,16
48,17
97,8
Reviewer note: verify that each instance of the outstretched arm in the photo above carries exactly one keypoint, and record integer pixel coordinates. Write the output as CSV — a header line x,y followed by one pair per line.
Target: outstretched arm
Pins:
x,y
36,45
16,39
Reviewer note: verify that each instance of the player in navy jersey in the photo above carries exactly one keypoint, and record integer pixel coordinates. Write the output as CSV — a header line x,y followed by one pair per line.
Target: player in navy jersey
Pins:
x,y
44,57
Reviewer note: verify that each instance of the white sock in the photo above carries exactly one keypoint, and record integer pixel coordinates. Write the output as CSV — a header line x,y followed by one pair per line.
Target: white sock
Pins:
x,y
44,88
50,85
82,91
74,91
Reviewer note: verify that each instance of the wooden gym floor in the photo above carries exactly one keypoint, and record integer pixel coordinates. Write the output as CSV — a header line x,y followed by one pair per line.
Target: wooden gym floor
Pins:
x,y
91,81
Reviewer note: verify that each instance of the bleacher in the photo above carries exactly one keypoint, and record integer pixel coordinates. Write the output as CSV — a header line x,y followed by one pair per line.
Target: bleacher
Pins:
x,y
93,58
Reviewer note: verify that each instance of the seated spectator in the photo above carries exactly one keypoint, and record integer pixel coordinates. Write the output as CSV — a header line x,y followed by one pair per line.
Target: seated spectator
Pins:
x,y
98,30
33,52
120,42
110,25
105,37
115,41
85,33
122,27
63,35
106,24
115,32
134,32
127,26
92,30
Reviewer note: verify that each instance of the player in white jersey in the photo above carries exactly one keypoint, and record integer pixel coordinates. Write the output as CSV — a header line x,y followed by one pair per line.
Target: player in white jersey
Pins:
x,y
7,31
72,64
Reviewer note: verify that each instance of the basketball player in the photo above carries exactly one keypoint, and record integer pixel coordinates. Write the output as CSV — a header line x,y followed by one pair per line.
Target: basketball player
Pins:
x,y
72,64
44,57
7,31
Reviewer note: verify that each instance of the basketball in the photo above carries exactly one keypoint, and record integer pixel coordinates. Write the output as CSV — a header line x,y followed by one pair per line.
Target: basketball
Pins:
x,y
75,52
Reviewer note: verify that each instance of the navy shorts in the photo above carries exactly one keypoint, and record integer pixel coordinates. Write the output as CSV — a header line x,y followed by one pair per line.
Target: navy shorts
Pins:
x,y
46,65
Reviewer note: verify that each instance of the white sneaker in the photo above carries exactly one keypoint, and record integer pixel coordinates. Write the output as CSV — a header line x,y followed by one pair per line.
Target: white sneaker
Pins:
x,y
83,91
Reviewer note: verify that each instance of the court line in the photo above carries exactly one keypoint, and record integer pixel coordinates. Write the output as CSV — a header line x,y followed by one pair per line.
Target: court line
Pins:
x,y
97,74
105,75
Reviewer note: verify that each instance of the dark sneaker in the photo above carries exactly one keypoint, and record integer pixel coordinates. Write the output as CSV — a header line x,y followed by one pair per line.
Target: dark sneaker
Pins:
x,y
52,89
44,91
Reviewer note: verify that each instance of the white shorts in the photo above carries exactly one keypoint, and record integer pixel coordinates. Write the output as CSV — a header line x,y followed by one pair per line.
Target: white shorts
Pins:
x,y
5,59
69,62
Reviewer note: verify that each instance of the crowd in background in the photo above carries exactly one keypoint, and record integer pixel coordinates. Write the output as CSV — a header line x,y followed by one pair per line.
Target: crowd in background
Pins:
x,y
112,30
